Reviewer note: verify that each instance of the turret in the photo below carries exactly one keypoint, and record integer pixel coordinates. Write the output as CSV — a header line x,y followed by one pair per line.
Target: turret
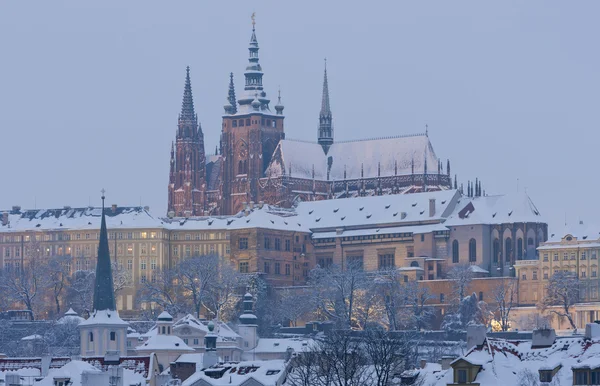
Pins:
x,y
248,324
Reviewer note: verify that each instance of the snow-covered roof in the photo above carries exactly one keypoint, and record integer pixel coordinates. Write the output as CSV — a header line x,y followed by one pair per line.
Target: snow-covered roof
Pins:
x,y
367,157
79,219
503,361
72,370
281,345
417,229
104,317
370,211
70,316
583,232
161,342
222,330
497,209
267,373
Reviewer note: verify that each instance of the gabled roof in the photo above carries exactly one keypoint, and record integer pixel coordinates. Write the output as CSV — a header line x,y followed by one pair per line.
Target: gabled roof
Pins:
x,y
353,156
497,209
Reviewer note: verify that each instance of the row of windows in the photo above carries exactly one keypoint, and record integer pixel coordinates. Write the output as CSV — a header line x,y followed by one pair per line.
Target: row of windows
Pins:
x,y
572,256
197,250
267,244
201,236
248,122
277,266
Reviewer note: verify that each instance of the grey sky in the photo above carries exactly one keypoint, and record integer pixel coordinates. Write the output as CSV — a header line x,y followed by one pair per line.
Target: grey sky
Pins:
x,y
90,92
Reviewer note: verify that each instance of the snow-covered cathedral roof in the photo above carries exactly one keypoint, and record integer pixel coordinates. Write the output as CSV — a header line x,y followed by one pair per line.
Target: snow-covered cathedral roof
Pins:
x,y
393,155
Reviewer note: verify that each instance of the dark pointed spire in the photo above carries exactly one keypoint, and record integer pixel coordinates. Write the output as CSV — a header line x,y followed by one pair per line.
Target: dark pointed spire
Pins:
x,y
104,297
325,137
448,166
253,76
187,106
231,108
455,182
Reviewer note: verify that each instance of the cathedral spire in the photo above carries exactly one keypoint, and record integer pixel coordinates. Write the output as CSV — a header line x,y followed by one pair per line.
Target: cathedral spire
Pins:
x,y
253,75
325,137
232,108
104,297
187,106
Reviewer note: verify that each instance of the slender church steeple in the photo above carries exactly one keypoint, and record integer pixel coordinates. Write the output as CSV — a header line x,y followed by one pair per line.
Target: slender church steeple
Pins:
x,y
232,107
187,105
104,296
325,118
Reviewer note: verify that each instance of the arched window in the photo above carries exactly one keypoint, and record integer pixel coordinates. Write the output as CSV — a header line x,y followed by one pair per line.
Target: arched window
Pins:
x,y
414,264
472,250
113,336
245,166
520,248
508,249
455,251
91,336
496,251
240,167
164,330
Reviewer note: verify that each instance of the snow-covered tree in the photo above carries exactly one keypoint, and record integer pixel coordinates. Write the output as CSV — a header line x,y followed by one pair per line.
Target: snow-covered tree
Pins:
x,y
505,296
336,289
59,272
223,291
420,314
526,377
562,292
122,277
80,292
293,304
26,284
164,292
469,311
388,283
461,276
386,353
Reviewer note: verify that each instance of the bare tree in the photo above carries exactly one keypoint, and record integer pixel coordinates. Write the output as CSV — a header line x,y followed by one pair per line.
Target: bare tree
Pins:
x,y
59,268
306,368
293,304
164,291
222,292
335,291
526,377
80,292
505,296
26,284
461,276
421,315
386,354
562,292
122,277
389,287
343,357
195,276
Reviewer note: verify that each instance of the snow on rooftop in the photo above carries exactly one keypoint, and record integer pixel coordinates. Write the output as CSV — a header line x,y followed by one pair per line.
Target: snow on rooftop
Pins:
x,y
376,210
104,317
383,155
497,209
268,373
164,343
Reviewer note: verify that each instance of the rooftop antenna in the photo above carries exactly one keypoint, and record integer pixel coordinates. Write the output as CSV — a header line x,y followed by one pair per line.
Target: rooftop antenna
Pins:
x,y
517,184
427,130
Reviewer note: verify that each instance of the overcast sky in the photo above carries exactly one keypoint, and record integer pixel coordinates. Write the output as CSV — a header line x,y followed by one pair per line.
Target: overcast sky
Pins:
x,y
90,91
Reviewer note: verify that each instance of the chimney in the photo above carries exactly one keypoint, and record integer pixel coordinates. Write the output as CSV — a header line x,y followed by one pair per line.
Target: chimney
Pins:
x,y
592,331
476,334
423,363
67,207
580,222
261,204
251,206
170,214
446,360
16,208
4,218
431,207
113,208
147,208
543,337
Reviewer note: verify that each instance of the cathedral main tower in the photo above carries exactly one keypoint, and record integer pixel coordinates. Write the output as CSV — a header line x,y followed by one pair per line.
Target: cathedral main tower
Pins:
x,y
250,133
187,176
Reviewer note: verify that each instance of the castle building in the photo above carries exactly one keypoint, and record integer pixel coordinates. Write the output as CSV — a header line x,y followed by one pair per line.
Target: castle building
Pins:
x,y
255,161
